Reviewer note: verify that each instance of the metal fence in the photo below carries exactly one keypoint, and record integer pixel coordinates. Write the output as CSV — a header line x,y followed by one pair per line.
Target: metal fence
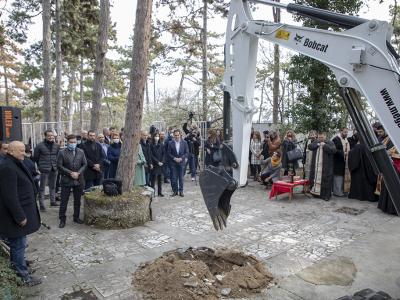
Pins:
x,y
32,133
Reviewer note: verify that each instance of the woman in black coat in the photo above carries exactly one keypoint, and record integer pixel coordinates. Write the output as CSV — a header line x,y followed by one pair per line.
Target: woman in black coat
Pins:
x,y
289,144
157,151
212,146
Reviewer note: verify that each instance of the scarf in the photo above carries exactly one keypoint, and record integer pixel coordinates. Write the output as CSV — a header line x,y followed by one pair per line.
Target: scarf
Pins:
x,y
275,162
347,178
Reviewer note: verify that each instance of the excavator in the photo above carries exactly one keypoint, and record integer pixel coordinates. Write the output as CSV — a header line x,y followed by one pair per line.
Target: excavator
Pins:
x,y
360,56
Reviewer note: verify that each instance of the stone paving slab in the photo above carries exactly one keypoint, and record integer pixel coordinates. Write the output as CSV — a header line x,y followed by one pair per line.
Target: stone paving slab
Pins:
x,y
288,236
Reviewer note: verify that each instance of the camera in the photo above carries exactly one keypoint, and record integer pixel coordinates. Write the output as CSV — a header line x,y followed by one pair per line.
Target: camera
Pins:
x,y
191,115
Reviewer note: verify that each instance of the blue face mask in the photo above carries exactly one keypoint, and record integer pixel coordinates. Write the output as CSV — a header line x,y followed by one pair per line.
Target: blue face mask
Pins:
x,y
71,147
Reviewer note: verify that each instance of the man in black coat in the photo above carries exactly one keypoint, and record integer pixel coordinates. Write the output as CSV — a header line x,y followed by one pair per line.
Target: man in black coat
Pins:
x,y
19,214
147,154
71,163
321,172
3,151
341,173
95,157
45,156
193,141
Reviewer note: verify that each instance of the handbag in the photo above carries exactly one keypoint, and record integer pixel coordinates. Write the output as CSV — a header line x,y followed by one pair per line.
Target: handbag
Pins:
x,y
217,156
294,155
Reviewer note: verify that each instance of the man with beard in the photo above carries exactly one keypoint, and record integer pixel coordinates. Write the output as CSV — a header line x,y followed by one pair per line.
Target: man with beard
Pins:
x,y
95,157
45,156
321,174
307,155
385,202
341,173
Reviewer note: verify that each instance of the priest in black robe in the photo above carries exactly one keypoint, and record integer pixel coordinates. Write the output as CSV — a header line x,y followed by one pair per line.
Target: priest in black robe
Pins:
x,y
363,176
321,172
385,201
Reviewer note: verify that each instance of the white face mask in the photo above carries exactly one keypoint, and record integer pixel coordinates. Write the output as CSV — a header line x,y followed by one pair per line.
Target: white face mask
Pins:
x,y
116,141
156,138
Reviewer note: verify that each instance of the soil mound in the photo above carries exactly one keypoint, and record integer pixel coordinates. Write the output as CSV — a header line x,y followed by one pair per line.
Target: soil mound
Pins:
x,y
201,273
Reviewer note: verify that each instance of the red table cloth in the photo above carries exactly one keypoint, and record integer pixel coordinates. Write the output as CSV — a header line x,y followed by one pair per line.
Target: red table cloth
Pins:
x,y
282,187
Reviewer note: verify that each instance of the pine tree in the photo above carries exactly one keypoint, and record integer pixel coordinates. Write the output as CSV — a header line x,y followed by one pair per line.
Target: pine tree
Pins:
x,y
134,110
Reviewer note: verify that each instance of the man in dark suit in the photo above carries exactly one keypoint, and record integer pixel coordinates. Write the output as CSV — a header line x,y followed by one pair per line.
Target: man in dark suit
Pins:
x,y
19,214
178,152
95,157
71,163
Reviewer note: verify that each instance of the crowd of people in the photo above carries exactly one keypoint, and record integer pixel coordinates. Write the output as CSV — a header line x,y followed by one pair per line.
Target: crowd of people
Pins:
x,y
341,166
75,163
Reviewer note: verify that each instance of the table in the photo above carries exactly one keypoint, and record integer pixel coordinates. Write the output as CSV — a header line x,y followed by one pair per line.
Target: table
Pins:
x,y
282,187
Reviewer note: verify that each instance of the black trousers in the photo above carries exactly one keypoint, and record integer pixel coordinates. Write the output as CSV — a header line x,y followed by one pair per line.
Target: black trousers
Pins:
x,y
65,193
159,183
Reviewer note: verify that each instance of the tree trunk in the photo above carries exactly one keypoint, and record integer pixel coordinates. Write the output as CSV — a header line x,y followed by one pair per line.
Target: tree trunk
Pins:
x,y
101,50
275,90
71,91
147,96
58,67
81,94
180,88
6,87
204,59
134,109
262,99
46,16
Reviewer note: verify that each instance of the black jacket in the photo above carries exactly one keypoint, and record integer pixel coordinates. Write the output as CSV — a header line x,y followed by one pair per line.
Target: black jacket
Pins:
x,y
157,155
146,151
17,199
45,155
286,147
339,163
68,163
94,155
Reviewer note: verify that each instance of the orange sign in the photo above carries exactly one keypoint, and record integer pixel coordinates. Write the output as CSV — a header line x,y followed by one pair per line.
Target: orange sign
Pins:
x,y
8,120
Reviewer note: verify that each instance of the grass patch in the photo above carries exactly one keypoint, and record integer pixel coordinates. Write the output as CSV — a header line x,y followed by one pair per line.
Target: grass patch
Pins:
x,y
9,281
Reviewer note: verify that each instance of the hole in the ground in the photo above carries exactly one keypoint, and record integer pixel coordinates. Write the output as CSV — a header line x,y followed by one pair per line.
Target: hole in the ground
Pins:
x,y
350,210
81,295
201,273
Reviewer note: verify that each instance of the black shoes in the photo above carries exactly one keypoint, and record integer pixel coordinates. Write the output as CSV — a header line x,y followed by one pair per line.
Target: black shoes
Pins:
x,y
78,221
31,281
174,194
166,181
54,204
160,195
62,224
42,208
181,194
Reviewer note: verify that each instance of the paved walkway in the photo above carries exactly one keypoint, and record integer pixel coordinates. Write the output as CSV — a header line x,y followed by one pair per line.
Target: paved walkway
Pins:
x,y
290,237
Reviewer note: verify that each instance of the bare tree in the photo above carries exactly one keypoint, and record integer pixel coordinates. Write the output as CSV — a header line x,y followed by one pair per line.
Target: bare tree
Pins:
x,y
81,94
204,59
275,91
58,67
46,16
101,50
134,109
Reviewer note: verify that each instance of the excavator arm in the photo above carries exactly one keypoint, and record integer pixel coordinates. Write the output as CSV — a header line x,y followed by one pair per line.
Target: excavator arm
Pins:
x,y
361,57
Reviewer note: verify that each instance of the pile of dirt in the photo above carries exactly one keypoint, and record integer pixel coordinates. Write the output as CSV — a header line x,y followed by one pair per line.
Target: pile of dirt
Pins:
x,y
201,273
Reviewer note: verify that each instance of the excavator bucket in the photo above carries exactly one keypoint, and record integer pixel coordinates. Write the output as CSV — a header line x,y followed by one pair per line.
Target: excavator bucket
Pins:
x,y
217,187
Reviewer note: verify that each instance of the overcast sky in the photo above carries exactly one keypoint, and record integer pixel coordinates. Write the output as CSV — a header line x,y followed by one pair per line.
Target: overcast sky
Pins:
x,y
123,14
